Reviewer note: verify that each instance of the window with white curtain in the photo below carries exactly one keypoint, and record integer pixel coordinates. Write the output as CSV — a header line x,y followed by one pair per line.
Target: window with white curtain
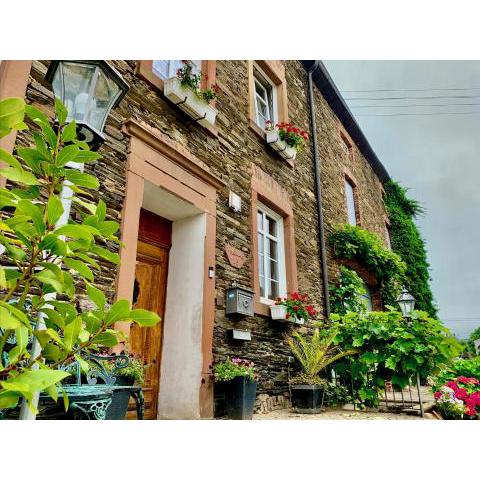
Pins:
x,y
168,68
265,99
350,199
271,254
367,298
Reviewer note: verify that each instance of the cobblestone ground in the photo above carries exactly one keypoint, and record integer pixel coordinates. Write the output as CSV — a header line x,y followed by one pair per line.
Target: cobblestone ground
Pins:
x,y
334,414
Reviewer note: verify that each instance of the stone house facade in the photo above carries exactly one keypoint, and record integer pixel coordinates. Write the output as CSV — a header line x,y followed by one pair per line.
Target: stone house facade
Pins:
x,y
169,180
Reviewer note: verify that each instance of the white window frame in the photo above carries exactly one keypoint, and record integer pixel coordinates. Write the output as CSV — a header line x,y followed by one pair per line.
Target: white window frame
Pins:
x,y
350,201
282,277
264,83
173,67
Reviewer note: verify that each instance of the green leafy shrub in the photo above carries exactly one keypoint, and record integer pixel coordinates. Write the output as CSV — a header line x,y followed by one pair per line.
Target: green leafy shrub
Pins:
x,y
232,368
352,242
134,370
42,260
346,293
391,349
407,242
337,394
315,352
458,368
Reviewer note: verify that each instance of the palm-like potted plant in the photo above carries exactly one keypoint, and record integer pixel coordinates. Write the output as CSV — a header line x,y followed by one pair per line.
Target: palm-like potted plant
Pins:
x,y
314,353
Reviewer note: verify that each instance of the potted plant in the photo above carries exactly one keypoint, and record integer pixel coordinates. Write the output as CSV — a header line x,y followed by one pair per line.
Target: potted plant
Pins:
x,y
125,370
294,308
185,91
235,388
285,138
314,353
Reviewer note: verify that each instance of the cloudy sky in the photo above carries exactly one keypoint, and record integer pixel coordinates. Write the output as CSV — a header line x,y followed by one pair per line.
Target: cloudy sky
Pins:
x,y
422,118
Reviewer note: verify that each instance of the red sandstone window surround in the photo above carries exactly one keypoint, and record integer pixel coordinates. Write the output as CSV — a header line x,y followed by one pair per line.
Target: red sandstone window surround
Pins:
x,y
270,201
267,97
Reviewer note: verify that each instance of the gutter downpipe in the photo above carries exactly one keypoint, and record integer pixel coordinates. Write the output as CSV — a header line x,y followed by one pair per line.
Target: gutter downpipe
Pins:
x,y
318,190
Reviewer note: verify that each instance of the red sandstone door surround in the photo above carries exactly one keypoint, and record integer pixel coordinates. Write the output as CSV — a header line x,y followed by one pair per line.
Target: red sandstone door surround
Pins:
x,y
157,159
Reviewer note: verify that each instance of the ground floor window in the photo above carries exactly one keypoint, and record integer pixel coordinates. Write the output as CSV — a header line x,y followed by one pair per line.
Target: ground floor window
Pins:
x,y
271,254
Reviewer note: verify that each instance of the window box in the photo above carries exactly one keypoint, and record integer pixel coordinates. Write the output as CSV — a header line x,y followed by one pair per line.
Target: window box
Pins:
x,y
286,151
279,312
188,101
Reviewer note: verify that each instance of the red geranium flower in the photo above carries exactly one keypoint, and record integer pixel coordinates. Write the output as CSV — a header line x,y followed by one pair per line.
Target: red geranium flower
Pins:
x,y
453,385
461,394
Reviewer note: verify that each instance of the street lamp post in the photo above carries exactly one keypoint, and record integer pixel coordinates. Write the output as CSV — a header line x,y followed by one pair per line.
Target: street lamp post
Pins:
x,y
89,89
406,302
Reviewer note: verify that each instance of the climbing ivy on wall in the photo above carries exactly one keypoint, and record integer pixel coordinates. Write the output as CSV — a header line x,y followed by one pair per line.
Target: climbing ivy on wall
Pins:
x,y
408,244
352,242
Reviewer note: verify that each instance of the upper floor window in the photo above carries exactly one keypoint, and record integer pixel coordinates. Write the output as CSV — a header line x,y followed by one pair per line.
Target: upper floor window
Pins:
x,y
351,204
271,254
265,99
168,68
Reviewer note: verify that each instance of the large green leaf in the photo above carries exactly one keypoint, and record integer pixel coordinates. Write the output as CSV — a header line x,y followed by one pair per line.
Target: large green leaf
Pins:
x,y
32,381
70,334
21,335
54,244
144,318
33,157
8,399
50,278
81,179
85,156
120,310
7,320
54,210
35,114
9,159
106,254
12,111
60,111
69,132
66,155
29,208
96,296
20,176
75,231
107,339
79,267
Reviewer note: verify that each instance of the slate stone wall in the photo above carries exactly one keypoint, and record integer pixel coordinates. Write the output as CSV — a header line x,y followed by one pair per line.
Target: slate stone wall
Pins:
x,y
229,156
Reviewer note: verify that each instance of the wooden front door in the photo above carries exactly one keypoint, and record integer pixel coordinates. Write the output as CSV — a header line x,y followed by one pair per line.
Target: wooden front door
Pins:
x,y
154,241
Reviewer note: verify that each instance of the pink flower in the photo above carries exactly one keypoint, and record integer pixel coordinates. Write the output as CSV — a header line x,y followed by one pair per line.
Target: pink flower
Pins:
x,y
463,379
473,381
453,385
437,395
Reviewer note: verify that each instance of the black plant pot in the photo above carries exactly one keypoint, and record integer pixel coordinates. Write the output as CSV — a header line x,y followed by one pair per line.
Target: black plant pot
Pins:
x,y
120,398
307,398
235,399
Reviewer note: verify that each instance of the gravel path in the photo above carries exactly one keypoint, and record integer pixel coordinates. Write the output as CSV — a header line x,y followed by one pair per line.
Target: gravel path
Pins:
x,y
334,414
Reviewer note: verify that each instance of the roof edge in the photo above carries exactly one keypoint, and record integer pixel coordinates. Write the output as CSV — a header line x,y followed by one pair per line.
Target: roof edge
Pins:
x,y
332,95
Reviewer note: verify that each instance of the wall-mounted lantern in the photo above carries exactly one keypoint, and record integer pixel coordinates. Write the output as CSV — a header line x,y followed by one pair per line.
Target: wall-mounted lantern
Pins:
x,y
406,302
89,89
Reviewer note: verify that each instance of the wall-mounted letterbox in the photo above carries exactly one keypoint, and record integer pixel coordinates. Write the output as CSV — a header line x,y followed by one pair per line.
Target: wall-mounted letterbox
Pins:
x,y
239,302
